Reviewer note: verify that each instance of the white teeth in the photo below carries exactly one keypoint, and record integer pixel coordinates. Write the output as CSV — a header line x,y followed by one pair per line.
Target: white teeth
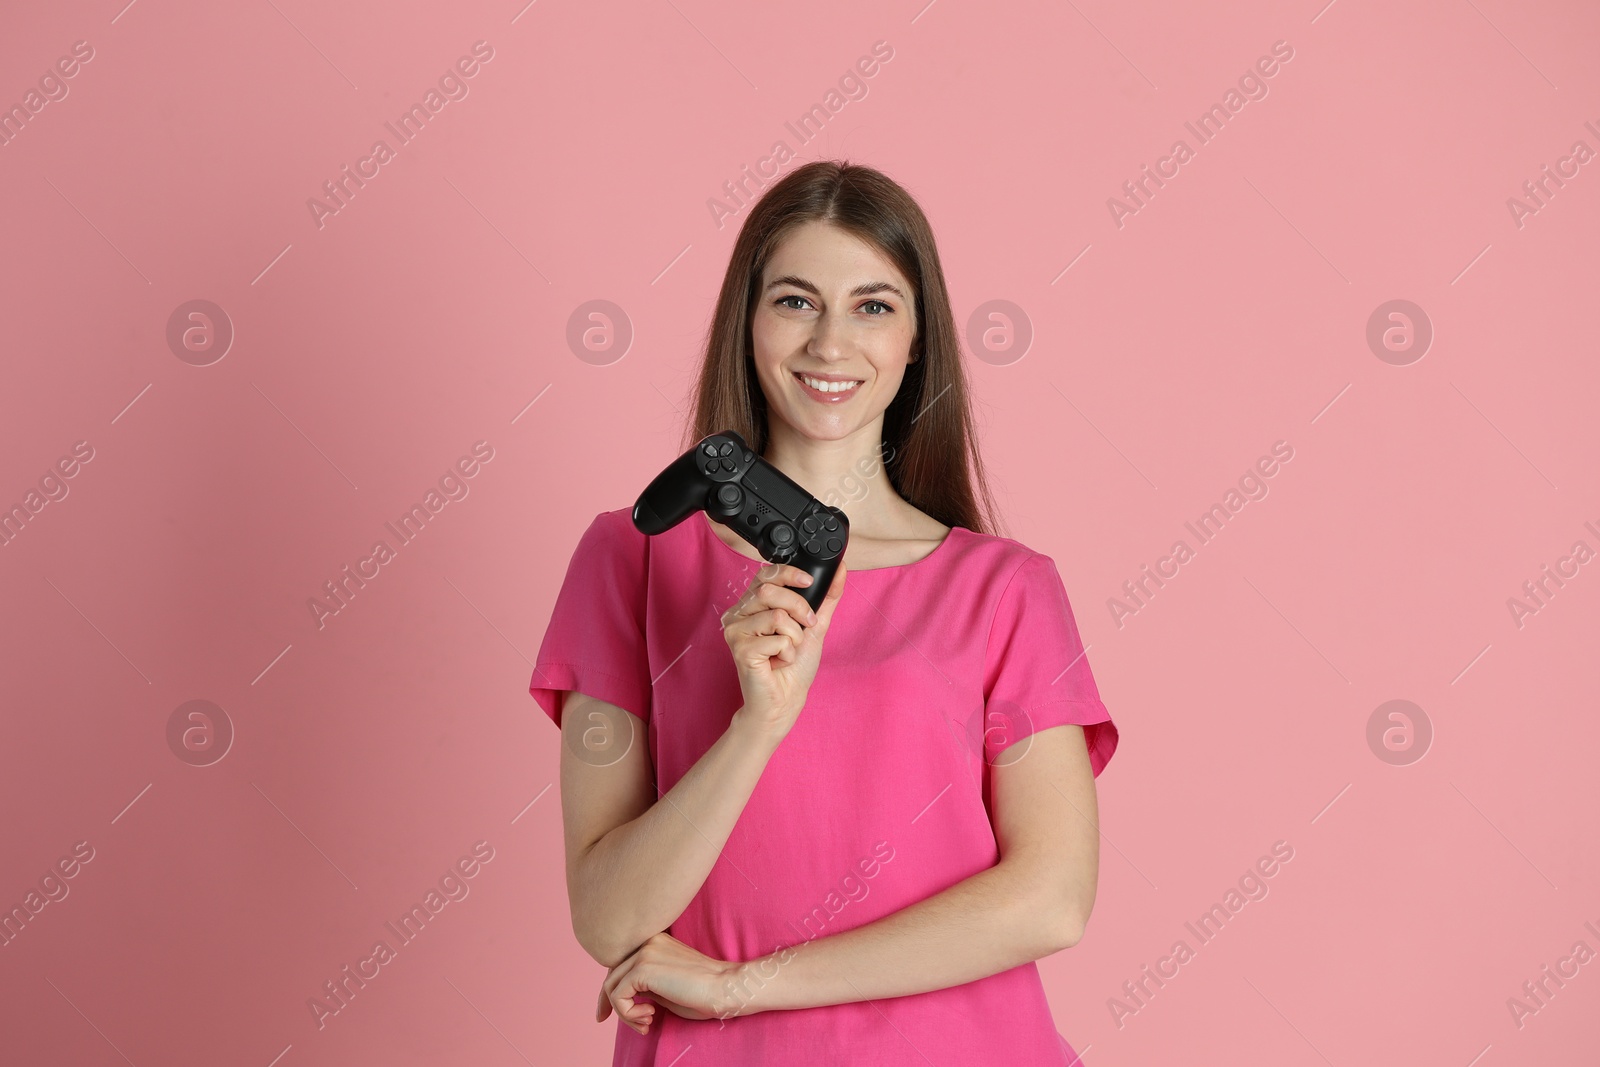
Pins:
x,y
828,387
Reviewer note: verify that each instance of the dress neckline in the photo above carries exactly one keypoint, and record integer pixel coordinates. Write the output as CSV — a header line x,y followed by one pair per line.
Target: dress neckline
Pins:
x,y
706,521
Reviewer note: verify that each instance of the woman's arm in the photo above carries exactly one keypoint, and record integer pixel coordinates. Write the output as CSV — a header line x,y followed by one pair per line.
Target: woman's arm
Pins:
x,y
1032,903
635,861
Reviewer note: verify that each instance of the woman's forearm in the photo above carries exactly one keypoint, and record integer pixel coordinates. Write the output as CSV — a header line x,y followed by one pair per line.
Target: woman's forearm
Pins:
x,y
991,922
640,876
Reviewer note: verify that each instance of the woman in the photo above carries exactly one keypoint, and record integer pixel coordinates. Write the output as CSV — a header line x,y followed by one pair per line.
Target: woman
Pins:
x,y
785,857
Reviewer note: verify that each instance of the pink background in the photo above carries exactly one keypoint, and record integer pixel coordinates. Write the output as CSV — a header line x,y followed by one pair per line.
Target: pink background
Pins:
x,y
372,751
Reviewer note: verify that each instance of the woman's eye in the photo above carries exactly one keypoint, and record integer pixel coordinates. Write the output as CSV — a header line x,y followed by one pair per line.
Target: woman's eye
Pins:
x,y
887,310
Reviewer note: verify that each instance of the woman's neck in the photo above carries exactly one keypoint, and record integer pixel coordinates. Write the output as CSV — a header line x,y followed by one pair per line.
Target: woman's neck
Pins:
x,y
848,473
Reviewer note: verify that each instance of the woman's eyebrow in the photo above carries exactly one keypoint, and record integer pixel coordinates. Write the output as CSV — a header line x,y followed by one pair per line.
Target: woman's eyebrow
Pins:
x,y
864,289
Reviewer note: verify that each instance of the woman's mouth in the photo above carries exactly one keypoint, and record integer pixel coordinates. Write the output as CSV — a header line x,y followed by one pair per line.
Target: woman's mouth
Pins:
x,y
825,391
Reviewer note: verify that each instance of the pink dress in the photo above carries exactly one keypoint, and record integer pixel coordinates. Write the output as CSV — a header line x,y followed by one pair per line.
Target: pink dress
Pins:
x,y
878,796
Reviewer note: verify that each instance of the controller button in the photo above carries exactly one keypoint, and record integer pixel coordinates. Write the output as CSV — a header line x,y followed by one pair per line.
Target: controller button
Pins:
x,y
813,547
830,524
725,450
709,449
711,466
729,465
834,544
808,525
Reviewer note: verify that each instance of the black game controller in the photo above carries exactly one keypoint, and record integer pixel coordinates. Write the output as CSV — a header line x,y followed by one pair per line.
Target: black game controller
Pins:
x,y
739,489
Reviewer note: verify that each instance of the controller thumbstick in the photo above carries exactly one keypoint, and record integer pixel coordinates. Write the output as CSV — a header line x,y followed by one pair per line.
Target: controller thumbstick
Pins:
x,y
727,501
781,537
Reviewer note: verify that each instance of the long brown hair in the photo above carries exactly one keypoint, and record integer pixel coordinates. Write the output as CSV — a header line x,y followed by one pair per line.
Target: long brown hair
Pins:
x,y
930,449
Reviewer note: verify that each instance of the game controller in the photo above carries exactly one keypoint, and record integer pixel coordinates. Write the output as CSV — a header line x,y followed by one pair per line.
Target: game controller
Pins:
x,y
724,478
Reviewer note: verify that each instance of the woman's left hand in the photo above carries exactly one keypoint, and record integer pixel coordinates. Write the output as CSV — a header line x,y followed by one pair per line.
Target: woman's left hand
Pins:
x,y
687,983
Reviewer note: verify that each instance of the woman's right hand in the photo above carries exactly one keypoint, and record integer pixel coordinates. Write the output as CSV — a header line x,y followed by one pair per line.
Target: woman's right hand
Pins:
x,y
776,649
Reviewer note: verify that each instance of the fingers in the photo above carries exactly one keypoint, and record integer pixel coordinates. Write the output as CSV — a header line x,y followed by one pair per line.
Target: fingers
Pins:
x,y
636,1013
620,992
766,595
784,574
773,646
765,623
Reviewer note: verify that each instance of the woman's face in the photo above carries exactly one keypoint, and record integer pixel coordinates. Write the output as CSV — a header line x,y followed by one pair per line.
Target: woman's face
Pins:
x,y
833,309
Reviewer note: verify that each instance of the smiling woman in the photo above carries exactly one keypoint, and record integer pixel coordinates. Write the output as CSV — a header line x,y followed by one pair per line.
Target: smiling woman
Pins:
x,y
953,722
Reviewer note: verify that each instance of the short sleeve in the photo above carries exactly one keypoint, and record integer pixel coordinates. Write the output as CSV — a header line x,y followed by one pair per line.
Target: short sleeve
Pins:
x,y
1036,674
595,643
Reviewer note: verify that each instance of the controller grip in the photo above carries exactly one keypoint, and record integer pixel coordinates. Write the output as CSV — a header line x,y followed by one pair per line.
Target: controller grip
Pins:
x,y
822,572
677,492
